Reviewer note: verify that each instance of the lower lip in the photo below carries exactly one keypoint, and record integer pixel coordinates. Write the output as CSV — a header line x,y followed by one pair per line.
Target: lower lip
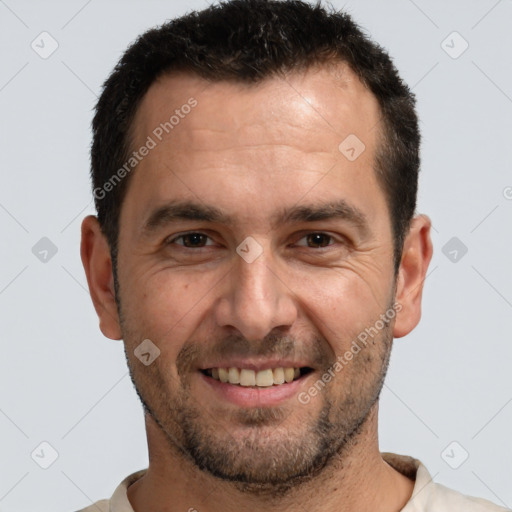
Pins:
x,y
254,396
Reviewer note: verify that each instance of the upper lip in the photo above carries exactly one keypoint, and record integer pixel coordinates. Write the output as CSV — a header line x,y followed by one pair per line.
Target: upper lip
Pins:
x,y
255,364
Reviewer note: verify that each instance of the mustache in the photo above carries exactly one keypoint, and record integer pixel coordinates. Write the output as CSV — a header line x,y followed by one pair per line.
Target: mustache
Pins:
x,y
316,351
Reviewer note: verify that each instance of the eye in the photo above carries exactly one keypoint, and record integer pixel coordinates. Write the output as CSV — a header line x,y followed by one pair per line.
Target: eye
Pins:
x,y
317,240
197,240
190,240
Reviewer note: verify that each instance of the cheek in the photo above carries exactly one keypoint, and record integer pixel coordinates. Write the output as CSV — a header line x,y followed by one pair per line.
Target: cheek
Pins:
x,y
344,294
342,306
164,307
162,298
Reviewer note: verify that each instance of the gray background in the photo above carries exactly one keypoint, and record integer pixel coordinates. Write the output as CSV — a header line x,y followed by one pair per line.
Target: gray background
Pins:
x,y
62,382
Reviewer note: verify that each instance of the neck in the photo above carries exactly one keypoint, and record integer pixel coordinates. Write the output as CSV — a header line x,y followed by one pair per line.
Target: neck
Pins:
x,y
172,482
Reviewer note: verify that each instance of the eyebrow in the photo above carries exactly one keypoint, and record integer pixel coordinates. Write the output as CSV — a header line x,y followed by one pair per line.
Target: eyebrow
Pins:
x,y
183,210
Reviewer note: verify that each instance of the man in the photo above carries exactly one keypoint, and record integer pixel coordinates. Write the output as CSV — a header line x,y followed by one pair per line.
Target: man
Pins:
x,y
255,170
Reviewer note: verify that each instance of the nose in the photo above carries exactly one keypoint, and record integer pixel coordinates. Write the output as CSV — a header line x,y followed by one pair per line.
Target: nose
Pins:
x,y
256,299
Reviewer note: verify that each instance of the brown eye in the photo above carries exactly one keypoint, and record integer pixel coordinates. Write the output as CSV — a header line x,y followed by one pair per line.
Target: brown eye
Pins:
x,y
191,240
317,240
320,239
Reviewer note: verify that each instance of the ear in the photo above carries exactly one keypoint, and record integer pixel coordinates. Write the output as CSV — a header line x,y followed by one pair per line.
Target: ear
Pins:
x,y
95,254
416,256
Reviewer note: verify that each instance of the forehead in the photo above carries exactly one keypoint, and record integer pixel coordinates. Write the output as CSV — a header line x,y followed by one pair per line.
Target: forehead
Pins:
x,y
322,98
277,140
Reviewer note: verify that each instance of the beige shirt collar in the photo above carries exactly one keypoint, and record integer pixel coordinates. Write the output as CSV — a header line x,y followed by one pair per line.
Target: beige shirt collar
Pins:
x,y
426,494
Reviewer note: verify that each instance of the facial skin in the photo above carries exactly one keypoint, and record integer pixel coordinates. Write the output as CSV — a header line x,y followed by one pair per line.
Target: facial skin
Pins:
x,y
252,152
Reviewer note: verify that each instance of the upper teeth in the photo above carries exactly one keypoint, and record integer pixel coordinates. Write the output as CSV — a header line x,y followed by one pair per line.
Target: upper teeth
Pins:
x,y
261,378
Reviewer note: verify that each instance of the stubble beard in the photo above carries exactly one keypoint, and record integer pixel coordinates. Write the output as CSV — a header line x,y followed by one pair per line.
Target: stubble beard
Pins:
x,y
264,458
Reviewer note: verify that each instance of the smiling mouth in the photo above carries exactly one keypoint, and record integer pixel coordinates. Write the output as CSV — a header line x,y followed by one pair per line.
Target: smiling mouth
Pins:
x,y
262,378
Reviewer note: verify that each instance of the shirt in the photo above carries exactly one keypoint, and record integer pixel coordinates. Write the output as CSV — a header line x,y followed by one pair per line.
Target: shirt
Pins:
x,y
427,496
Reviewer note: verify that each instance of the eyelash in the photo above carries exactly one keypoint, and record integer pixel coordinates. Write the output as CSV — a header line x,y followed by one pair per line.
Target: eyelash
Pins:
x,y
182,236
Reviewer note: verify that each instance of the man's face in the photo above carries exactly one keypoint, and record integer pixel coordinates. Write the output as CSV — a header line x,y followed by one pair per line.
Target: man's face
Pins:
x,y
256,153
